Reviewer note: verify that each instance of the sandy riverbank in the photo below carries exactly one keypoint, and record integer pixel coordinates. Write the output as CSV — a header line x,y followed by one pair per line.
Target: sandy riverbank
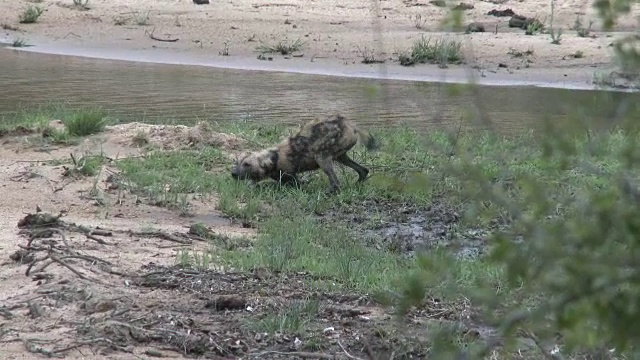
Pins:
x,y
333,36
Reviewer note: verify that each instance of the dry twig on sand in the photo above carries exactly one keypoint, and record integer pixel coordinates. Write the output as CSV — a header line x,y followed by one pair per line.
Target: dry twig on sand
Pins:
x,y
153,37
179,238
41,227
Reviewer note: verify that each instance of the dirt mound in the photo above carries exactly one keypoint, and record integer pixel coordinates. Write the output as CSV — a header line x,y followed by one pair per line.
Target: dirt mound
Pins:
x,y
172,137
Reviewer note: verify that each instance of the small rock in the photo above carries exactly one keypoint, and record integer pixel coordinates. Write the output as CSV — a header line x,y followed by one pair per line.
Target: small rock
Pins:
x,y
201,2
438,3
518,21
501,65
501,13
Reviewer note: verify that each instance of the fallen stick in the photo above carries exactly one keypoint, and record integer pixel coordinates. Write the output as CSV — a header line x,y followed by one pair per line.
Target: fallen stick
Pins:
x,y
161,235
347,353
272,4
152,37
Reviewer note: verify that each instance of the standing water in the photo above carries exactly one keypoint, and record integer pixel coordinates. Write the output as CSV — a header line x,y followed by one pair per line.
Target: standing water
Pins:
x,y
182,93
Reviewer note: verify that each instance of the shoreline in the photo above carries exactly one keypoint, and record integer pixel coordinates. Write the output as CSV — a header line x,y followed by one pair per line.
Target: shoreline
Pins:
x,y
334,39
570,78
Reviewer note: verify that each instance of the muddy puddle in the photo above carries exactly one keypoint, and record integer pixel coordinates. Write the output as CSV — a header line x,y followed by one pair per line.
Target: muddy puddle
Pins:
x,y
151,92
408,228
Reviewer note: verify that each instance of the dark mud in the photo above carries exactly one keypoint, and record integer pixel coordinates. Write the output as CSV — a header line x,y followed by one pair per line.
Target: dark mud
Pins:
x,y
407,228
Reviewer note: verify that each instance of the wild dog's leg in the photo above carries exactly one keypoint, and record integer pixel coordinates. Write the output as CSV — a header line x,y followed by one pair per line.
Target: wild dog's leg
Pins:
x,y
361,170
326,164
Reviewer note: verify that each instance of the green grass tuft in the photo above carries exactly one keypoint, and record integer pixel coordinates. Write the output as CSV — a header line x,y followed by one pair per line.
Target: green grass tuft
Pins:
x,y
81,4
87,165
283,47
86,122
31,14
18,43
168,178
292,244
291,319
440,51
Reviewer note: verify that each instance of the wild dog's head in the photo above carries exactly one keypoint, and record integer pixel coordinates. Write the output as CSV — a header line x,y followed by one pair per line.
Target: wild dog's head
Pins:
x,y
254,166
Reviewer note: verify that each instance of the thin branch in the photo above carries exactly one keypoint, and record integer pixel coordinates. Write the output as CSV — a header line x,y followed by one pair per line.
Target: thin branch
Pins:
x,y
347,353
152,37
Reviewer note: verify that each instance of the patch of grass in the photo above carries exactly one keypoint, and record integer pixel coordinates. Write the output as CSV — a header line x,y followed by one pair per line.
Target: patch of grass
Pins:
x,y
440,51
141,18
577,55
31,14
520,54
580,29
616,80
556,35
293,318
6,26
533,27
290,244
235,204
81,4
19,43
87,165
84,122
283,47
369,56
120,20
418,21
257,133
26,122
200,260
225,49
39,122
167,178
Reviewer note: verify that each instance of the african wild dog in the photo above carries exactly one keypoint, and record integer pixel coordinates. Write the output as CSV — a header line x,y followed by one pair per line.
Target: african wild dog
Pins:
x,y
315,146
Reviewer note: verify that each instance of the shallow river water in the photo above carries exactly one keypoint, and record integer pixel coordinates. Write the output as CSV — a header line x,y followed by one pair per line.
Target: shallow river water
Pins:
x,y
160,92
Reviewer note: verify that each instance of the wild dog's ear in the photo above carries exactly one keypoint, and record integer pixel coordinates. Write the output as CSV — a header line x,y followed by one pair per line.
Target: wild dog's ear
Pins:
x,y
268,158
241,156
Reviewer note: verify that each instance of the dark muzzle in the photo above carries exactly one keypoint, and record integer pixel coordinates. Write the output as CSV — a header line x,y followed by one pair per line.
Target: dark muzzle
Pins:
x,y
234,173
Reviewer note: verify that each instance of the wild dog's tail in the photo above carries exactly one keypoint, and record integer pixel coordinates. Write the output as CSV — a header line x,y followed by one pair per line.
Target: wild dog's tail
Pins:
x,y
367,140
